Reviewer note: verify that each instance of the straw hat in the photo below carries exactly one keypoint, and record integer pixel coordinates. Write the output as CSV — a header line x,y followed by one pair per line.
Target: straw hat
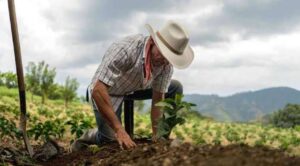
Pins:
x,y
172,41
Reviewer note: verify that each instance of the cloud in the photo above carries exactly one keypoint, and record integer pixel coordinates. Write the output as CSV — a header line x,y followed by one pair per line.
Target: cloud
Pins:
x,y
242,65
95,21
239,45
248,19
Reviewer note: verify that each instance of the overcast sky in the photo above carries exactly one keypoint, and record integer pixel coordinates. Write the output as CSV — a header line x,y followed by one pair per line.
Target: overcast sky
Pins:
x,y
239,45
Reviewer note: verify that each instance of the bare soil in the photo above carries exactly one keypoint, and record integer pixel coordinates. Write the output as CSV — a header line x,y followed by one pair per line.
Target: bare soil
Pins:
x,y
167,153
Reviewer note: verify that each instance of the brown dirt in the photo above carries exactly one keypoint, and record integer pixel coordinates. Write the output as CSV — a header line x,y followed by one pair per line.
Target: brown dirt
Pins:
x,y
162,153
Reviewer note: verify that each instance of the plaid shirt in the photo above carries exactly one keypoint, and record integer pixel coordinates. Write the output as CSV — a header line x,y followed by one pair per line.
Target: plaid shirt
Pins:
x,y
122,68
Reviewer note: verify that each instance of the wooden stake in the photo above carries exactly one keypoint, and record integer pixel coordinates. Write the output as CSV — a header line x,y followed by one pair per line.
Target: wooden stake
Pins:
x,y
19,67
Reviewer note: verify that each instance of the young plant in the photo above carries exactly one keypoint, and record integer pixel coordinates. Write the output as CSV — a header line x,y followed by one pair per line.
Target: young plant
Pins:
x,y
79,126
8,128
46,130
170,115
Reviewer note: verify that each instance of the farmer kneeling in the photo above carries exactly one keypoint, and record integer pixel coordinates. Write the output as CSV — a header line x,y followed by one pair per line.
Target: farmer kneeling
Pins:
x,y
137,67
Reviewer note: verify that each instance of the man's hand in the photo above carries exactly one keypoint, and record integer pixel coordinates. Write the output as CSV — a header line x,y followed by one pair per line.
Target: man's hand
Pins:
x,y
102,99
124,140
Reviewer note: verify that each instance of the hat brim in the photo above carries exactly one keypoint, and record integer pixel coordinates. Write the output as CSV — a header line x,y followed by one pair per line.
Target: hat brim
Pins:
x,y
178,61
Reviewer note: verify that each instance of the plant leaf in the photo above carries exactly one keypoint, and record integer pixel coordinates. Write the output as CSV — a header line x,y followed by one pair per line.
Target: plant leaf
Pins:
x,y
164,104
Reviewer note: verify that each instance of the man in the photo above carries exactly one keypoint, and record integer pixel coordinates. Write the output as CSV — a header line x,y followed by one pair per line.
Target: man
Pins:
x,y
137,67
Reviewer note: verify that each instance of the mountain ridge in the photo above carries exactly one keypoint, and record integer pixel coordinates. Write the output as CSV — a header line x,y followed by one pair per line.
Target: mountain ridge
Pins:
x,y
244,106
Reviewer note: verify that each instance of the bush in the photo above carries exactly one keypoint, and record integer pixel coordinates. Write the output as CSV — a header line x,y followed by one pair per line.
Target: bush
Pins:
x,y
45,130
8,79
9,106
8,128
288,117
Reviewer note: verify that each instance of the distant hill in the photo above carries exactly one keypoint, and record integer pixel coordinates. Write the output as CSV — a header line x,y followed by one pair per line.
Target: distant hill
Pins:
x,y
245,106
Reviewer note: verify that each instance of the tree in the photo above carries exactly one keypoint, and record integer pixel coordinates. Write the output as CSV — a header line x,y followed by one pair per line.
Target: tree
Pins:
x,y
289,116
8,79
56,91
47,80
40,79
2,79
69,91
32,78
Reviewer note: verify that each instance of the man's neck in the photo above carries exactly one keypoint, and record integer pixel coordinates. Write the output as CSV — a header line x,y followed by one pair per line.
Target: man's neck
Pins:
x,y
148,64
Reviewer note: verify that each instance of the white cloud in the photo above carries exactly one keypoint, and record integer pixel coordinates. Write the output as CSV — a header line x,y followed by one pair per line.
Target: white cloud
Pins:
x,y
241,65
239,45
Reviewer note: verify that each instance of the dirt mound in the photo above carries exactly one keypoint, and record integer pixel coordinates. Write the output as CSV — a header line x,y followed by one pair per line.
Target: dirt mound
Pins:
x,y
168,153
187,154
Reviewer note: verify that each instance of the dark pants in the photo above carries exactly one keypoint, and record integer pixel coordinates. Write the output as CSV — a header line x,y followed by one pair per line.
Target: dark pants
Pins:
x,y
105,133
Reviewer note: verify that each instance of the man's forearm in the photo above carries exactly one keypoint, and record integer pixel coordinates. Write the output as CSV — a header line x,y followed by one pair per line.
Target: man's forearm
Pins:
x,y
102,100
155,115
156,111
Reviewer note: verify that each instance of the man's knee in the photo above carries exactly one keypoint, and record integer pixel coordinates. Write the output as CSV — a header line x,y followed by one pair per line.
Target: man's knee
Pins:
x,y
174,88
177,86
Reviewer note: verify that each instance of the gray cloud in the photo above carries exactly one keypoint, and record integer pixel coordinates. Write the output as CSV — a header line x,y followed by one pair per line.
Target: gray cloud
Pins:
x,y
81,55
83,30
89,28
103,21
99,20
249,19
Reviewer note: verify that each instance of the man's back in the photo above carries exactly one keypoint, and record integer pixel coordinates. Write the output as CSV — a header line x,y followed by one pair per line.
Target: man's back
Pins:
x,y
122,66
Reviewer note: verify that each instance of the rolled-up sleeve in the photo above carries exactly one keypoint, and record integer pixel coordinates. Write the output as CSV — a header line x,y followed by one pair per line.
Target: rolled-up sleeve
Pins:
x,y
162,82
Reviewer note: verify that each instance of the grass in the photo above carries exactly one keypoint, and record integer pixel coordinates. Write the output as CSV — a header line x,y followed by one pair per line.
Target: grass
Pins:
x,y
4,91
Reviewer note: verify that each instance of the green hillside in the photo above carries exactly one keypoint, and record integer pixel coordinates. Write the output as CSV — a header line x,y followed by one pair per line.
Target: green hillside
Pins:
x,y
246,106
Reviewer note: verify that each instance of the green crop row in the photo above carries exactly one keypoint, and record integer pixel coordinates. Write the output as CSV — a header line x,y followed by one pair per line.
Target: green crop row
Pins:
x,y
53,120
202,131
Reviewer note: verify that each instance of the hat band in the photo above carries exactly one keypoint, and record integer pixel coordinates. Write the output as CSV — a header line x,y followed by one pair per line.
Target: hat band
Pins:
x,y
167,44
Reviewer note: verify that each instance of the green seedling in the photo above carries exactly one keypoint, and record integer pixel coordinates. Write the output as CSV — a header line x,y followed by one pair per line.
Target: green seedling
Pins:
x,y
171,109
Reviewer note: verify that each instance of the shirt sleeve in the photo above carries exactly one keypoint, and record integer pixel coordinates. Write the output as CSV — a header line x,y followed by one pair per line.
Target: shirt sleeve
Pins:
x,y
114,63
162,82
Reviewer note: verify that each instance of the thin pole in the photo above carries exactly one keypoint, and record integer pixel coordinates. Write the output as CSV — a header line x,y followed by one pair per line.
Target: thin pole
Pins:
x,y
19,67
